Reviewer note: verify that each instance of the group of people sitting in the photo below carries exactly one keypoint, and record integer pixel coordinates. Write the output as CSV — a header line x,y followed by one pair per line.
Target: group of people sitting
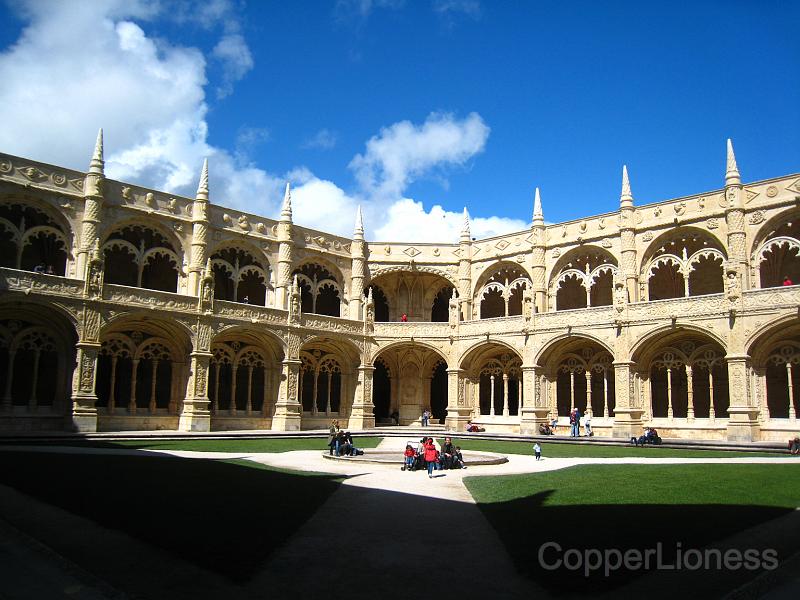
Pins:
x,y
794,445
341,442
473,428
650,436
428,455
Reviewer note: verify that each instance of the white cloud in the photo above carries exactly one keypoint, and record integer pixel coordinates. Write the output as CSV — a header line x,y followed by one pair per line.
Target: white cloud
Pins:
x,y
403,152
470,8
236,61
437,224
324,139
80,66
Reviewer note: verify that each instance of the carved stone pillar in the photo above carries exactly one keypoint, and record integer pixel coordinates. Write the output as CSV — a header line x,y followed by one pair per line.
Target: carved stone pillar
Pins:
x,y
362,415
627,415
288,410
84,413
743,424
536,408
195,415
458,409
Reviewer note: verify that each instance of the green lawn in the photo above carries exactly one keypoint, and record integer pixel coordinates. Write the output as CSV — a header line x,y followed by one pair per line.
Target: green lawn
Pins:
x,y
633,506
566,450
225,517
243,445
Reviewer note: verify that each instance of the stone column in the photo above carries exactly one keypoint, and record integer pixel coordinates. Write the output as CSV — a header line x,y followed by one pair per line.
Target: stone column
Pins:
x,y
362,415
285,252
288,410
491,395
690,393
84,398
93,205
458,409
605,393
627,415
505,394
669,393
195,415
534,413
743,425
792,411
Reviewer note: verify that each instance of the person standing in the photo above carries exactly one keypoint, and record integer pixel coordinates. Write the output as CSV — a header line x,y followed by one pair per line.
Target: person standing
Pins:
x,y
587,425
430,456
426,415
786,280
537,450
332,430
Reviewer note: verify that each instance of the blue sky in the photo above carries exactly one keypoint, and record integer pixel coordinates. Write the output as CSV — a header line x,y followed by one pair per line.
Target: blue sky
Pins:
x,y
401,106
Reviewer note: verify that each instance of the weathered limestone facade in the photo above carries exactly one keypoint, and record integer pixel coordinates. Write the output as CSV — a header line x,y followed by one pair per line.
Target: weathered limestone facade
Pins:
x,y
124,308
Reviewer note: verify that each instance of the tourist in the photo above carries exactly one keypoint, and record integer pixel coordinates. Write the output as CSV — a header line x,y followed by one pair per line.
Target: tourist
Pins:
x,y
426,416
50,270
794,446
537,451
404,318
431,456
544,429
39,268
395,417
642,439
458,459
409,455
472,428
575,423
332,436
587,425
448,452
786,280
554,424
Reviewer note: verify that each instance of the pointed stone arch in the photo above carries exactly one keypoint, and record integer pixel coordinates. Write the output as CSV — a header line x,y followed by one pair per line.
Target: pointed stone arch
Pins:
x,y
499,290
775,253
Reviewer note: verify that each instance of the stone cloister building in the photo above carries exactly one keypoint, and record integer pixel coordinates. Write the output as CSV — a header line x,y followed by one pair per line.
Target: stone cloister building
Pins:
x,y
124,308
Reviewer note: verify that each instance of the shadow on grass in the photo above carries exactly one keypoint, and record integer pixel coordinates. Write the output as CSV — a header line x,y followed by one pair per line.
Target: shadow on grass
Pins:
x,y
203,511
525,524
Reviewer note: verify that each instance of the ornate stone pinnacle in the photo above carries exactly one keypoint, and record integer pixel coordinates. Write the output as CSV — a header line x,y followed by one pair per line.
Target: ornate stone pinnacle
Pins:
x,y
286,207
97,163
732,176
358,232
625,198
202,187
538,215
465,234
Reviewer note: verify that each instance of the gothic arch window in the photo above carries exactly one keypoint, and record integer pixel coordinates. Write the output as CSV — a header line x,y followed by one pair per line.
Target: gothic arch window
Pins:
x,y
137,372
239,379
320,383
585,380
440,311
240,277
138,256
32,366
320,292
778,257
684,263
783,381
381,305
689,380
501,293
584,279
500,385
31,240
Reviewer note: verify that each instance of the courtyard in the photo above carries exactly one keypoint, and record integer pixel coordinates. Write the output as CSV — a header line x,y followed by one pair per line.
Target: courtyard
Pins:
x,y
271,518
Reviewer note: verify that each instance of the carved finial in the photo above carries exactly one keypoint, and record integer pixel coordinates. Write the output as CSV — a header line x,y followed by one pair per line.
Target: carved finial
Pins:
x,y
465,233
96,165
294,282
369,295
202,187
625,198
538,216
358,232
208,272
286,208
96,248
732,176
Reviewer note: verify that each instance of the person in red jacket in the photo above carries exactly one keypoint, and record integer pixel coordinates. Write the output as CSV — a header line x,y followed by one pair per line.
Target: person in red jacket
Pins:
x,y
430,455
409,455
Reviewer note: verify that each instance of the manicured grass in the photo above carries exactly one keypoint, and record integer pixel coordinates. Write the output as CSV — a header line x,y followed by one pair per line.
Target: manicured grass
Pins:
x,y
566,450
633,507
202,511
243,445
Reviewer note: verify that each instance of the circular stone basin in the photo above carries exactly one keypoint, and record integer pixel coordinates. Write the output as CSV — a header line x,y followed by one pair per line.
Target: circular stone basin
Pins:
x,y
389,457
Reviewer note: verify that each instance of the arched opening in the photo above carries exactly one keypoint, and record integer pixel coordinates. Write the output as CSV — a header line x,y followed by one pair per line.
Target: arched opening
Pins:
x,y
239,276
381,391
439,392
31,240
328,379
139,256
320,292
778,257
500,291
440,312
783,380
494,378
583,277
681,263
381,305
571,293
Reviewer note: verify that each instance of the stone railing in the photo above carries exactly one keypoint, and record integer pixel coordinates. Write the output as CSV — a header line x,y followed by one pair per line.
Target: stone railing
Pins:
x,y
334,324
416,329
788,296
28,281
711,304
150,298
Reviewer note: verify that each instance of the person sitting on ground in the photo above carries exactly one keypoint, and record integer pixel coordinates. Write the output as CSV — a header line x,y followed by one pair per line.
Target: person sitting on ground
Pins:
x,y
786,280
458,459
642,439
472,427
351,445
587,425
344,450
794,446
409,455
395,417
448,451
544,429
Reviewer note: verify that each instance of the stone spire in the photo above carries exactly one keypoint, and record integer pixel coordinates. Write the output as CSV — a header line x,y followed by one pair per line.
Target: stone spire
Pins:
x,y
358,232
538,216
732,176
625,198
97,163
202,187
286,207
466,236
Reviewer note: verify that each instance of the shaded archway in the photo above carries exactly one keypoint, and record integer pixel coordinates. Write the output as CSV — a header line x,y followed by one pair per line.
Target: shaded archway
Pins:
x,y
31,239
499,291
320,290
414,293
140,256
494,380
776,369
381,392
240,275
583,277
328,376
776,259
438,393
